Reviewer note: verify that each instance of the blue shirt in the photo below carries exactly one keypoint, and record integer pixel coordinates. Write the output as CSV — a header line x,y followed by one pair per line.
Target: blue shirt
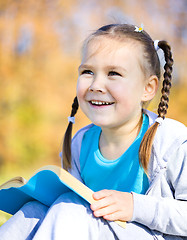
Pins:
x,y
122,174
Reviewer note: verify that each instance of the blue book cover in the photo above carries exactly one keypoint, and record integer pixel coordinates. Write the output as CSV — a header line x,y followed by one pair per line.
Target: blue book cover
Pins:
x,y
45,186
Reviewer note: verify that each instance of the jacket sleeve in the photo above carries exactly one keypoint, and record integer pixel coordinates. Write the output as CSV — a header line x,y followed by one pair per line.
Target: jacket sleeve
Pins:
x,y
167,214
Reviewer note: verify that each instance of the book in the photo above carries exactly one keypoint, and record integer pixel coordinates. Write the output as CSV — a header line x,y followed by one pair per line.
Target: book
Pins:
x,y
45,186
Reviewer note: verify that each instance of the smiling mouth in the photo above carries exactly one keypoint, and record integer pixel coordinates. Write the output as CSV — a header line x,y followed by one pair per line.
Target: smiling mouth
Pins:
x,y
100,103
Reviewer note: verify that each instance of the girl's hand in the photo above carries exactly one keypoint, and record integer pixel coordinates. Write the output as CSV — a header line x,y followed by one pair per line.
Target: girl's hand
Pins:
x,y
113,205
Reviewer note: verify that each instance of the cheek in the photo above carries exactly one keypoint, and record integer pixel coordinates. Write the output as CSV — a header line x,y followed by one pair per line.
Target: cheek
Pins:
x,y
82,89
81,93
127,96
120,92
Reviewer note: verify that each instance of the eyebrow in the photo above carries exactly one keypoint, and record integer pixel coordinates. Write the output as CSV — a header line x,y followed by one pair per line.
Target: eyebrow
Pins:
x,y
84,66
116,67
113,67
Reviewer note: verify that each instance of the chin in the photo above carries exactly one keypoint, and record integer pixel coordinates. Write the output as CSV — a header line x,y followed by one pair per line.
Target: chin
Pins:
x,y
102,124
99,123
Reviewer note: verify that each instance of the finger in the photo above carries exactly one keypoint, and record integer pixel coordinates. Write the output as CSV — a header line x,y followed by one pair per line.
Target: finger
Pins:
x,y
102,203
105,211
101,194
118,215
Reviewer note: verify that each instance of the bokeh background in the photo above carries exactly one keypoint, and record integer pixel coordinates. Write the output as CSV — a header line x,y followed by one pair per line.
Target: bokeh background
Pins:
x,y
40,46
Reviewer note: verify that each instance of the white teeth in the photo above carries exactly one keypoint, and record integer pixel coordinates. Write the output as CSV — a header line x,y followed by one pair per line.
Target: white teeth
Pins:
x,y
100,103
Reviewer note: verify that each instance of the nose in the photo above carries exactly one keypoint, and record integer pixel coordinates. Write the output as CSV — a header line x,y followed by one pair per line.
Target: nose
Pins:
x,y
98,85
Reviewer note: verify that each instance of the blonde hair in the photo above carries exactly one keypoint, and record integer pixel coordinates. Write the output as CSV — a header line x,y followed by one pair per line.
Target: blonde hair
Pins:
x,y
151,65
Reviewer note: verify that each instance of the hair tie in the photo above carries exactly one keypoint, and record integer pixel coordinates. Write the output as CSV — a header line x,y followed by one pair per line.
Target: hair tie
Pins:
x,y
156,45
159,120
71,119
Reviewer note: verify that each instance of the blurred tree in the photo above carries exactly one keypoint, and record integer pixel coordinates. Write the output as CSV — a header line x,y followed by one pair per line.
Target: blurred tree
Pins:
x,y
39,55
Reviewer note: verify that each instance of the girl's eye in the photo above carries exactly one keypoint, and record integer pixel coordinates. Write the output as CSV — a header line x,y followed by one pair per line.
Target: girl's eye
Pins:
x,y
89,72
113,73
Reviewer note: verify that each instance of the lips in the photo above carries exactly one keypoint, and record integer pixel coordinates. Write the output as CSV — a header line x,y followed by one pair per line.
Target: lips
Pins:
x,y
100,103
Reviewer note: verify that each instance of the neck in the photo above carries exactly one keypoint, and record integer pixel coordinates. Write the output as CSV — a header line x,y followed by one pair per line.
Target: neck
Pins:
x,y
115,141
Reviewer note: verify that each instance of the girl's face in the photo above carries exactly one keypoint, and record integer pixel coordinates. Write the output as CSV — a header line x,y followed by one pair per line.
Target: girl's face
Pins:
x,y
111,82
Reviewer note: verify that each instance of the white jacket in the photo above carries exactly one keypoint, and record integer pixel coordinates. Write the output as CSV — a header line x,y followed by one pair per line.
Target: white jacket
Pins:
x,y
163,208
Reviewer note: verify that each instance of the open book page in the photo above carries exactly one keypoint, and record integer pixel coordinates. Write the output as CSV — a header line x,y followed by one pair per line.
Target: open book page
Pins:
x,y
14,182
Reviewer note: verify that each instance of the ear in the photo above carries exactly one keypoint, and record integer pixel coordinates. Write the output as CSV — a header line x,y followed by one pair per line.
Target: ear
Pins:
x,y
150,88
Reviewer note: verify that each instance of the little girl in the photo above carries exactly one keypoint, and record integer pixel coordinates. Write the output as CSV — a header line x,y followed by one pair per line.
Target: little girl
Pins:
x,y
134,160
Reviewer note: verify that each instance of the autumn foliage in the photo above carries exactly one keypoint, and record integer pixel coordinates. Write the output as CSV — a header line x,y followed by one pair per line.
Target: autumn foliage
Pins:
x,y
39,55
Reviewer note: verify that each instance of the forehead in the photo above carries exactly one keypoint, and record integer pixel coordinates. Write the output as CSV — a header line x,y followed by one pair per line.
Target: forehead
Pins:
x,y
105,46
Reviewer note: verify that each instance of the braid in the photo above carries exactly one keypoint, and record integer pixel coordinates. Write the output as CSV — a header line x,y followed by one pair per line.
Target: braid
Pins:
x,y
147,141
67,138
163,106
